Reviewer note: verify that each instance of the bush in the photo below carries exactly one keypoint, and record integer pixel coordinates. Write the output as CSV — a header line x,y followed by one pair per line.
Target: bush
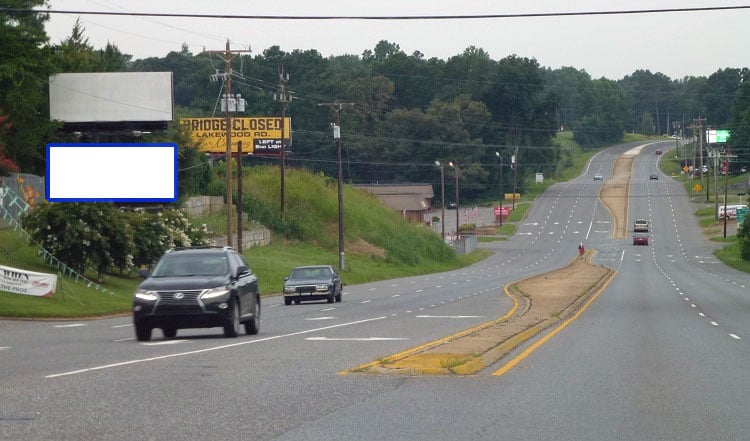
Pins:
x,y
743,235
103,237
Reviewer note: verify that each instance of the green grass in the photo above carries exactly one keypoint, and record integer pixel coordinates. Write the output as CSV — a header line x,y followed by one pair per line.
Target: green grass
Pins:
x,y
380,245
72,298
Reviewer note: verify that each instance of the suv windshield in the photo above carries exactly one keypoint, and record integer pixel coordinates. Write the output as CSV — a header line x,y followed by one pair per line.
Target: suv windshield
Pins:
x,y
191,265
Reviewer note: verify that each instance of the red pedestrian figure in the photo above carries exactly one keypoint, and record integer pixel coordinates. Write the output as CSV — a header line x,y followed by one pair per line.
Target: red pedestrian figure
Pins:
x,y
581,250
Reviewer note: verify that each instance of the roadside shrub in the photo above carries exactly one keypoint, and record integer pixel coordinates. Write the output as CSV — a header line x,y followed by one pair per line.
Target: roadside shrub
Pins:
x,y
82,235
104,238
743,235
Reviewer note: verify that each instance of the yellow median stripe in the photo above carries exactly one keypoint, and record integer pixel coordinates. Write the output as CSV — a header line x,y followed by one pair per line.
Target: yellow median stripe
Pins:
x,y
511,364
438,342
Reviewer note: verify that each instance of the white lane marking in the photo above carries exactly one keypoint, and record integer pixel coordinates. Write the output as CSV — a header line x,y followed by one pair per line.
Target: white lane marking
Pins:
x,y
714,323
124,339
320,318
215,348
692,305
420,290
366,301
735,336
122,326
327,309
372,289
701,314
2,348
74,325
165,343
450,316
396,295
355,339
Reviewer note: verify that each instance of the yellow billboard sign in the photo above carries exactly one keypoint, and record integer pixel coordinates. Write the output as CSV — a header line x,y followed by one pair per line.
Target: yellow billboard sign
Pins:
x,y
211,133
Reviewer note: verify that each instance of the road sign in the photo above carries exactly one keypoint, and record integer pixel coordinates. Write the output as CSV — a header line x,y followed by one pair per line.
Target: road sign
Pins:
x,y
211,133
741,215
697,188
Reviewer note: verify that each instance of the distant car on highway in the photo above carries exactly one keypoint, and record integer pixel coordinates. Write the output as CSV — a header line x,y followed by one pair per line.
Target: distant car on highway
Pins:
x,y
653,177
314,282
658,152
598,177
640,225
451,205
640,239
197,287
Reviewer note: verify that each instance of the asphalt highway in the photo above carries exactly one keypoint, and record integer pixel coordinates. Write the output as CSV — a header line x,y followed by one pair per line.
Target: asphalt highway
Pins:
x,y
662,354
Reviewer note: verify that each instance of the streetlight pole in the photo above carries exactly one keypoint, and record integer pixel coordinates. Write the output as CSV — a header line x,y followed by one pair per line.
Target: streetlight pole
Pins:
x,y
442,198
457,205
501,187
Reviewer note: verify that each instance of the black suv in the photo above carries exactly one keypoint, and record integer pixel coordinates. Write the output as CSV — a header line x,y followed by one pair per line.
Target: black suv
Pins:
x,y
198,287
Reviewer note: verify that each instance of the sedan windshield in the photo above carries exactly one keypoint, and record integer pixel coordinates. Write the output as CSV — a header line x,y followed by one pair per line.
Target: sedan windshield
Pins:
x,y
310,273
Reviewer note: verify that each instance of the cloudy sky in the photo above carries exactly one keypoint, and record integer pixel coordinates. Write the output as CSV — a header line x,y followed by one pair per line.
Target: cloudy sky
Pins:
x,y
677,44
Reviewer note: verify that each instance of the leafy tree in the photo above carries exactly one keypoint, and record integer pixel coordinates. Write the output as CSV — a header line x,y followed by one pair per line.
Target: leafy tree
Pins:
x,y
740,127
720,89
24,67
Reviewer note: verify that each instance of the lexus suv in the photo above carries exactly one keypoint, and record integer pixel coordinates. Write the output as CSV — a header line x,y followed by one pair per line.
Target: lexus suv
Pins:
x,y
197,287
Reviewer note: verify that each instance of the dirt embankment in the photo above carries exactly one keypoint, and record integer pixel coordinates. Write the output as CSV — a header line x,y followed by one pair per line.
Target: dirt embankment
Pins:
x,y
615,192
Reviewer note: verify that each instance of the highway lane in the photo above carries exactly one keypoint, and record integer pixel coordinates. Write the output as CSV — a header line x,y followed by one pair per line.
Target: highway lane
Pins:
x,y
601,378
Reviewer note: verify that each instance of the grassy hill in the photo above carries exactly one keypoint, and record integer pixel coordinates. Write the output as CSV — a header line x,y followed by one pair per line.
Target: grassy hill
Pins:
x,y
380,244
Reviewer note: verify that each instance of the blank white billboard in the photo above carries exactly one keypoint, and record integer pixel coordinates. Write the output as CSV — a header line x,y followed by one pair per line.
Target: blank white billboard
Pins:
x,y
105,97
111,173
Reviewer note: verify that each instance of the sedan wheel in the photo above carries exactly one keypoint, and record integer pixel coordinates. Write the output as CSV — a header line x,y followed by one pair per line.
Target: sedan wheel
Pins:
x,y
232,327
169,332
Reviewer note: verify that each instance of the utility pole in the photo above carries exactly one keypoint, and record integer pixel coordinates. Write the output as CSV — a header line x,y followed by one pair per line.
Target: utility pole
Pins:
x,y
228,55
284,99
239,196
502,196
514,164
337,107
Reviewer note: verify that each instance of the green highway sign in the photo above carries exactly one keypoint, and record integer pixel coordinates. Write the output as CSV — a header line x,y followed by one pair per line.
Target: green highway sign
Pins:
x,y
717,136
741,215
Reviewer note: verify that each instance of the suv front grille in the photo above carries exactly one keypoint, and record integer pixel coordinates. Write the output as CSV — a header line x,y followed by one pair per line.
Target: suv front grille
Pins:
x,y
179,302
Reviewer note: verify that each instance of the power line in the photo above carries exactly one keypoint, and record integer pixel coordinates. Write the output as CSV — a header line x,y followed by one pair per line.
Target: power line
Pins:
x,y
379,17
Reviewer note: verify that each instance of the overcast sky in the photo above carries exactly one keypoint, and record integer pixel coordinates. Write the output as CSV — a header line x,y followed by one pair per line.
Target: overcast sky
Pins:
x,y
677,44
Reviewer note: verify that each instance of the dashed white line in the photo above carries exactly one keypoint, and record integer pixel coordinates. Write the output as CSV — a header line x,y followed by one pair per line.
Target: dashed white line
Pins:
x,y
215,348
714,323
366,301
122,326
735,336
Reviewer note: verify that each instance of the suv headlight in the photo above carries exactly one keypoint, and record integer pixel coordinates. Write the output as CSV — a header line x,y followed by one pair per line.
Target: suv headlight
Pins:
x,y
149,296
322,287
290,289
213,293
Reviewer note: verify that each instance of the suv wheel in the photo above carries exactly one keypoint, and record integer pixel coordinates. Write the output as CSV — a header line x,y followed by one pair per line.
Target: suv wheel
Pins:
x,y
142,333
338,297
252,326
169,332
330,297
287,301
232,327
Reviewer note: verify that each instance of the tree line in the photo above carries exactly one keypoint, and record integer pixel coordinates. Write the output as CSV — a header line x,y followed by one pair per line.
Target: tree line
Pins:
x,y
408,110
